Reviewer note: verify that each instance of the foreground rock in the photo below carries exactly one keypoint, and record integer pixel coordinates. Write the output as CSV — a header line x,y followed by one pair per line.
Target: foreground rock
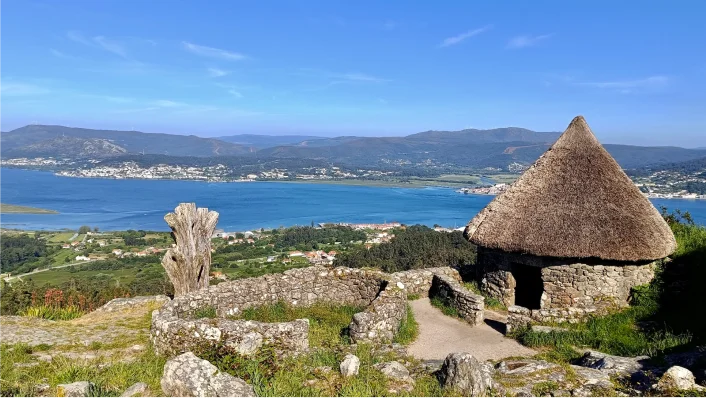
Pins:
x,y
135,390
76,389
190,376
350,365
677,379
614,365
463,373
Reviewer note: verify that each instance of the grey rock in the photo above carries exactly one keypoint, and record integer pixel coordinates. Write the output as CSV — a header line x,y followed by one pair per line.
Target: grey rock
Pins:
x,y
190,376
350,365
561,393
547,329
40,388
614,365
394,370
463,373
432,365
677,378
135,389
76,389
119,304
249,344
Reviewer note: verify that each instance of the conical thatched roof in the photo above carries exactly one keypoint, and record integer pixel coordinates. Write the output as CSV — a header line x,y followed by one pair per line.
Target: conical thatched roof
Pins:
x,y
575,201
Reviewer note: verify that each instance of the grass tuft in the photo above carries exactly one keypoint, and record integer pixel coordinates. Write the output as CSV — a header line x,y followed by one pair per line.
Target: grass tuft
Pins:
x,y
53,313
409,329
205,312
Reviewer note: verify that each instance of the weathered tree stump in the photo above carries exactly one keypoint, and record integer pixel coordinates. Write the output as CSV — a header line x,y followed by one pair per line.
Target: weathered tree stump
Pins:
x,y
189,263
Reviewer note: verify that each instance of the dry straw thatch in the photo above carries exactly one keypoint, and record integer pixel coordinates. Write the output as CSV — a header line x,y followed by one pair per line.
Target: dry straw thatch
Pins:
x,y
575,201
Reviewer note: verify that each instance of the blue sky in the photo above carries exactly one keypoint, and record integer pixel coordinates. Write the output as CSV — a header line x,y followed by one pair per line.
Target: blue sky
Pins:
x,y
636,70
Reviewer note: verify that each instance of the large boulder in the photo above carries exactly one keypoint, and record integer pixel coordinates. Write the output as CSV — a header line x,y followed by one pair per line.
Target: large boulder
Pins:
x,y
136,389
612,364
677,379
463,373
190,376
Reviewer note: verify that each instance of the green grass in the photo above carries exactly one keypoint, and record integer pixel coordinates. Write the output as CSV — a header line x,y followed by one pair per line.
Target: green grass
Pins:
x,y
490,302
206,312
445,308
413,297
409,329
617,334
61,237
328,323
110,380
543,388
273,376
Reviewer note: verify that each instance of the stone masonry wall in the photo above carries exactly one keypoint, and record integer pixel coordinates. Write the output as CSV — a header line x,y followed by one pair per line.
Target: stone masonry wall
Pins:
x,y
380,322
470,306
572,289
175,328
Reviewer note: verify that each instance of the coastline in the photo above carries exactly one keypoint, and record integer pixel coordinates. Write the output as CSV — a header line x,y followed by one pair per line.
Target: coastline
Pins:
x,y
6,208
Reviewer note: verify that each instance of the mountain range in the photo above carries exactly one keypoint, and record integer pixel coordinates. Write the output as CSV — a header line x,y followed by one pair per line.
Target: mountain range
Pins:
x,y
471,148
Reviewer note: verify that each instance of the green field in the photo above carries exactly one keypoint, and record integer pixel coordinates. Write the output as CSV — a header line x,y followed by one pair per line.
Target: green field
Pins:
x,y
7,208
56,277
61,237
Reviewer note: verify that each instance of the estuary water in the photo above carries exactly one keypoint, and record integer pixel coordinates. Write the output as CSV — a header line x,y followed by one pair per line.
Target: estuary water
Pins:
x,y
141,204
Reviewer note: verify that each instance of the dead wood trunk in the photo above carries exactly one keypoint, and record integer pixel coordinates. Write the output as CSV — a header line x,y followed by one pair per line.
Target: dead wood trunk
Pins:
x,y
189,263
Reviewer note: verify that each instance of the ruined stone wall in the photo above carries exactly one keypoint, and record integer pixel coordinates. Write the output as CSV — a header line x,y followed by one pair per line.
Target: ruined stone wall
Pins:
x,y
470,306
175,328
567,286
418,281
381,320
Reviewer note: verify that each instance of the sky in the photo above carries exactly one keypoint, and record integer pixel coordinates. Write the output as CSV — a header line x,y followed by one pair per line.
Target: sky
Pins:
x,y
635,70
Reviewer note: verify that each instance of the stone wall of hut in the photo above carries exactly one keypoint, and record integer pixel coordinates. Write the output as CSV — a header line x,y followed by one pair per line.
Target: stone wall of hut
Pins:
x,y
574,288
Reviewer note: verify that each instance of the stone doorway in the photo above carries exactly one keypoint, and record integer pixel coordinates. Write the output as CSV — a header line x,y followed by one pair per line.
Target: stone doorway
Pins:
x,y
528,286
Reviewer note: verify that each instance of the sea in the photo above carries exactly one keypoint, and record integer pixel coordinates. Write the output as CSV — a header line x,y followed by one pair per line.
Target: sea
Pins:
x,y
111,204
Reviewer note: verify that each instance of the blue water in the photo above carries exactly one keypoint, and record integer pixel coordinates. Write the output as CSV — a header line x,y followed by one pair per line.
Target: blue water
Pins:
x,y
142,204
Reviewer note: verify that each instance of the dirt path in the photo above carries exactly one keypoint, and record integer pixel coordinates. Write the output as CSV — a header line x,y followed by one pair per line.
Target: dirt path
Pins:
x,y
440,335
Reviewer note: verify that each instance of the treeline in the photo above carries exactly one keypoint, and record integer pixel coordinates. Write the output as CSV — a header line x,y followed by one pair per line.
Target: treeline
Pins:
x,y
21,250
310,238
416,247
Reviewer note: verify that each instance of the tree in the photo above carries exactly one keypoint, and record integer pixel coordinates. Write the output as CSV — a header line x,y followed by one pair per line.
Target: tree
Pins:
x,y
189,263
95,229
84,229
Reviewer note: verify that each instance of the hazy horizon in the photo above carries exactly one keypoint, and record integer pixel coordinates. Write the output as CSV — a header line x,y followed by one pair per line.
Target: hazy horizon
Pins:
x,y
366,69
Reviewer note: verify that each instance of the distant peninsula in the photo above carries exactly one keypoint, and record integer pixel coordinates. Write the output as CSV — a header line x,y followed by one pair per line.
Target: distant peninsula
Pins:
x,y
7,208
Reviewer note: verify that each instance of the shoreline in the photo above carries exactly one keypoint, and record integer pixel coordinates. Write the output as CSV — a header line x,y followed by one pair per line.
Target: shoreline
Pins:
x,y
6,208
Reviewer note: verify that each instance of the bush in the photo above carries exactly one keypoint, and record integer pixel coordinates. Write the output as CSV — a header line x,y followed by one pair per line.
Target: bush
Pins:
x,y
53,313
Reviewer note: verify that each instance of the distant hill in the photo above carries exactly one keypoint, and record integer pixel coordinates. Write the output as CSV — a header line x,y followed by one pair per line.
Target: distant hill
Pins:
x,y
266,141
68,147
37,140
466,148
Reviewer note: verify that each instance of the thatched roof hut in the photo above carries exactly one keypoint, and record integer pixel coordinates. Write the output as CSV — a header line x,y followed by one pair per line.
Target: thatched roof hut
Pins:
x,y
575,201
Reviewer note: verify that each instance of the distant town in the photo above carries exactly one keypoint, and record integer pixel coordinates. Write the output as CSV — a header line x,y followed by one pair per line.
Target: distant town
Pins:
x,y
667,184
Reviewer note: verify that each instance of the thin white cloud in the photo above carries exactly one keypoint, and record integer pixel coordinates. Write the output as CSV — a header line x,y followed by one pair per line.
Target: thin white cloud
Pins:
x,y
235,93
100,42
60,54
167,104
78,38
361,77
213,52
110,45
527,41
389,25
450,41
16,89
215,72
657,81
